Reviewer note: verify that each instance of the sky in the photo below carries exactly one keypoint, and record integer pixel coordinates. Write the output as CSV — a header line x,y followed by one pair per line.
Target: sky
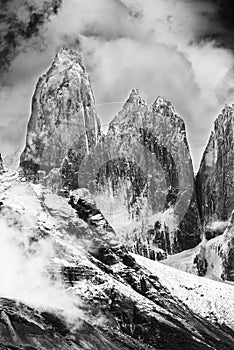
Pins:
x,y
180,49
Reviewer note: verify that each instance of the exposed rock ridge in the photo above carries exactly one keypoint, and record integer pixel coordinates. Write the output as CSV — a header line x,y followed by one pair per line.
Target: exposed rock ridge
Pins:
x,y
214,257
148,161
1,165
63,125
144,155
125,304
215,179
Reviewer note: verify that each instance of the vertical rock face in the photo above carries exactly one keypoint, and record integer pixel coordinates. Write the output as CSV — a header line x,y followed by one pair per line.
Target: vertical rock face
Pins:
x,y
215,192
1,165
215,257
227,251
140,172
63,125
215,179
144,167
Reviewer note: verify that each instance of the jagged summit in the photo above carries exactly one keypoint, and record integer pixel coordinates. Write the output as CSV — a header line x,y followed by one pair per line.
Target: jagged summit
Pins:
x,y
226,112
64,127
64,61
215,181
161,104
135,98
69,55
131,113
140,135
225,119
164,107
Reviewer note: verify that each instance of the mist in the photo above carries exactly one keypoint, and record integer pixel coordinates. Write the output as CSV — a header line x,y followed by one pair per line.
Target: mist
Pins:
x,y
25,273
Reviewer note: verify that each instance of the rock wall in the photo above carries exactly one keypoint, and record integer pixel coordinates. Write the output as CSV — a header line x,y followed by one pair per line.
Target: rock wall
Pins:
x,y
215,179
114,302
144,162
215,257
63,125
144,156
1,165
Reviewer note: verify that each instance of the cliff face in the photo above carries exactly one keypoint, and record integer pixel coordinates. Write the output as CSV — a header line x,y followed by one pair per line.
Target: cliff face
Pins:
x,y
215,191
144,167
215,257
63,125
1,165
215,179
63,295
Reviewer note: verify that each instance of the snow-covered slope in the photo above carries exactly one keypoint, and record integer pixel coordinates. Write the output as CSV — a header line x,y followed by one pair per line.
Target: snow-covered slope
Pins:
x,y
212,258
215,179
63,285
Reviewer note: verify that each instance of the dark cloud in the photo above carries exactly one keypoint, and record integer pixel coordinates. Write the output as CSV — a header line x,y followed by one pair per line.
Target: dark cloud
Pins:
x,y
221,23
225,13
20,21
175,48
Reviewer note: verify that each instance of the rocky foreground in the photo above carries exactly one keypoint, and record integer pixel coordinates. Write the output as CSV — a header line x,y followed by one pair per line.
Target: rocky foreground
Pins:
x,y
76,292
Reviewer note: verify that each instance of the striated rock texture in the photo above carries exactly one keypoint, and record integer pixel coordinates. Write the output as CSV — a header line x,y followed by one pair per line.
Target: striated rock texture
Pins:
x,y
24,327
114,303
1,165
144,167
215,179
215,258
63,125
87,210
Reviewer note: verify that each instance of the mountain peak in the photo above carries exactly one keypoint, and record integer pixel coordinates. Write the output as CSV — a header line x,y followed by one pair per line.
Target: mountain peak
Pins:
x,y
161,104
63,121
68,55
225,116
135,98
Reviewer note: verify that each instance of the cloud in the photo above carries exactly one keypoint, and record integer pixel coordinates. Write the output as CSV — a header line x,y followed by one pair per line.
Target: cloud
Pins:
x,y
21,24
24,273
221,23
160,47
217,226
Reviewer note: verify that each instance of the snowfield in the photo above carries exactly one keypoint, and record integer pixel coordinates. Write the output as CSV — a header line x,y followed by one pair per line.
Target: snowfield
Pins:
x,y
211,299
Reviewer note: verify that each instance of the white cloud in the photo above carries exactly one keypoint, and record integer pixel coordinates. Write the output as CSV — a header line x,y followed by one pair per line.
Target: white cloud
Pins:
x,y
150,45
24,273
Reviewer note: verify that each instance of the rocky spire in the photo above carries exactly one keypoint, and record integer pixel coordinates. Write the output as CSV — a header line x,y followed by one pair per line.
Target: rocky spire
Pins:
x,y
147,162
135,98
161,105
215,179
63,125
1,165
